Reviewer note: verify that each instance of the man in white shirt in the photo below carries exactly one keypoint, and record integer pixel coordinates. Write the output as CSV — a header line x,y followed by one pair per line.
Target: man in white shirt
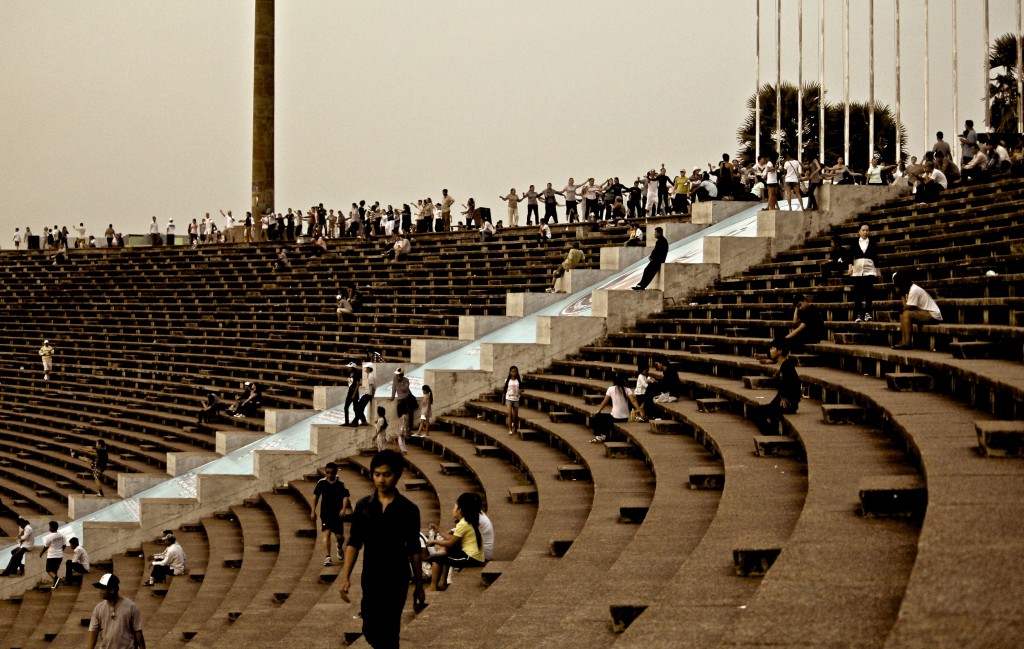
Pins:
x,y
17,238
975,169
78,564
931,184
154,232
486,232
918,308
170,232
25,536
229,224
53,550
80,241
172,562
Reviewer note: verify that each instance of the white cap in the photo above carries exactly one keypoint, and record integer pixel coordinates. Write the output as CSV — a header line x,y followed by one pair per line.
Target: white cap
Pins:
x,y
46,342
108,581
398,371
352,365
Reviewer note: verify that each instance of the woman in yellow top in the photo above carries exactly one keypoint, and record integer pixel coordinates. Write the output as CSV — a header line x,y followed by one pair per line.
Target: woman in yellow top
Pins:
x,y
681,187
463,547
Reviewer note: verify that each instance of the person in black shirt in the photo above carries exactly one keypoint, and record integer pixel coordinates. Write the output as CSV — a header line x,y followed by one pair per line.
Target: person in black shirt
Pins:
x,y
838,259
657,258
669,379
98,460
332,496
634,201
807,318
663,183
787,399
388,525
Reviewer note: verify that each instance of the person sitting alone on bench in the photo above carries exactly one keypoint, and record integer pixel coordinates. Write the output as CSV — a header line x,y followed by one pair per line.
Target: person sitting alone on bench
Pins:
x,y
787,399
918,308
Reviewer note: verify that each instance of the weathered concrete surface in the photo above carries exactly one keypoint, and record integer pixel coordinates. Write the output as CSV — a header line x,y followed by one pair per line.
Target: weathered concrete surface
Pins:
x,y
735,254
472,327
711,212
622,308
680,281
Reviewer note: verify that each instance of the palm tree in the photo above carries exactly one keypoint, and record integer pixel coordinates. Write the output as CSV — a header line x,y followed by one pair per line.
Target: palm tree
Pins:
x,y
885,129
1003,88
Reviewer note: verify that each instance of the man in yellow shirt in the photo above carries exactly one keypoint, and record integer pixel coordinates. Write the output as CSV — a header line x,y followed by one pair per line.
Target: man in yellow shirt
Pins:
x,y
573,259
681,187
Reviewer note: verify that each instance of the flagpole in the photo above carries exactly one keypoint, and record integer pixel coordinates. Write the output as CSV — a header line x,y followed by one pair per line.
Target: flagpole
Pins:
x,y
988,74
956,120
871,79
1020,81
846,82
926,129
821,81
899,142
757,84
800,84
778,77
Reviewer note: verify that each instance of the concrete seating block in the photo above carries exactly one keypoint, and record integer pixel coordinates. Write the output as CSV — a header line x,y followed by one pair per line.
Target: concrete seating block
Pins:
x,y
84,622
280,598
841,413
759,382
850,338
665,427
624,614
351,637
530,435
234,561
491,572
452,468
523,494
573,472
327,577
700,349
593,399
368,451
754,560
196,576
193,527
1000,438
559,547
562,417
234,615
908,382
416,484
707,478
160,590
892,495
270,547
306,533
712,404
775,314
633,512
188,635
776,446
619,449
974,350
484,450
808,360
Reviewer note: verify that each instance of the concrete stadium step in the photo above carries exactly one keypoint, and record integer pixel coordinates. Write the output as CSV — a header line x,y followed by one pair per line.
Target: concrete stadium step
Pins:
x,y
562,509
704,597
1000,438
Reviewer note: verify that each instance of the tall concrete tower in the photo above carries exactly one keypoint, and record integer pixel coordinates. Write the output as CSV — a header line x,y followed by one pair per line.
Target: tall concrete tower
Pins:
x,y
263,110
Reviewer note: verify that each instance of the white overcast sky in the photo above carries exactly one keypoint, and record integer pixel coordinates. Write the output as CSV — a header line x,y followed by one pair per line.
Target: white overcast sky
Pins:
x,y
115,110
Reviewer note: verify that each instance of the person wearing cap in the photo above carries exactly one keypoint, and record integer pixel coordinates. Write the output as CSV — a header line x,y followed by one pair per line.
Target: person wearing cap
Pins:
x,y
46,354
918,308
116,621
787,399
171,562
78,564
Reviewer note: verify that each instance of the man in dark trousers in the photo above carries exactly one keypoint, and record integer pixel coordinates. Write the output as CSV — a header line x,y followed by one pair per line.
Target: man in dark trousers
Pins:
x,y
352,396
657,258
332,496
388,524
787,399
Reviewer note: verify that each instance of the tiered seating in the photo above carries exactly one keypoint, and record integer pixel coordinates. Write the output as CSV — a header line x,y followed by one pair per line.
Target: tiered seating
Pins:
x,y
141,334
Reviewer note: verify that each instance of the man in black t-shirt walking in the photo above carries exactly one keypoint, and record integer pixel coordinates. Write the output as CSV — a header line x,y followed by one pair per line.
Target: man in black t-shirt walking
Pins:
x,y
333,497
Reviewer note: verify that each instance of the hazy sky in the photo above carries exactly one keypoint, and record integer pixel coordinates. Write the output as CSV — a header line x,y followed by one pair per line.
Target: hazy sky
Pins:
x,y
115,110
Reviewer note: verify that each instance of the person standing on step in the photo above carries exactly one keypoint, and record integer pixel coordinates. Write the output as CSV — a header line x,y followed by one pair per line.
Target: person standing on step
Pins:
x,y
512,198
352,395
400,389
25,536
98,457
513,391
657,258
46,354
53,550
864,273
426,404
367,388
333,498
116,621
787,399
387,524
